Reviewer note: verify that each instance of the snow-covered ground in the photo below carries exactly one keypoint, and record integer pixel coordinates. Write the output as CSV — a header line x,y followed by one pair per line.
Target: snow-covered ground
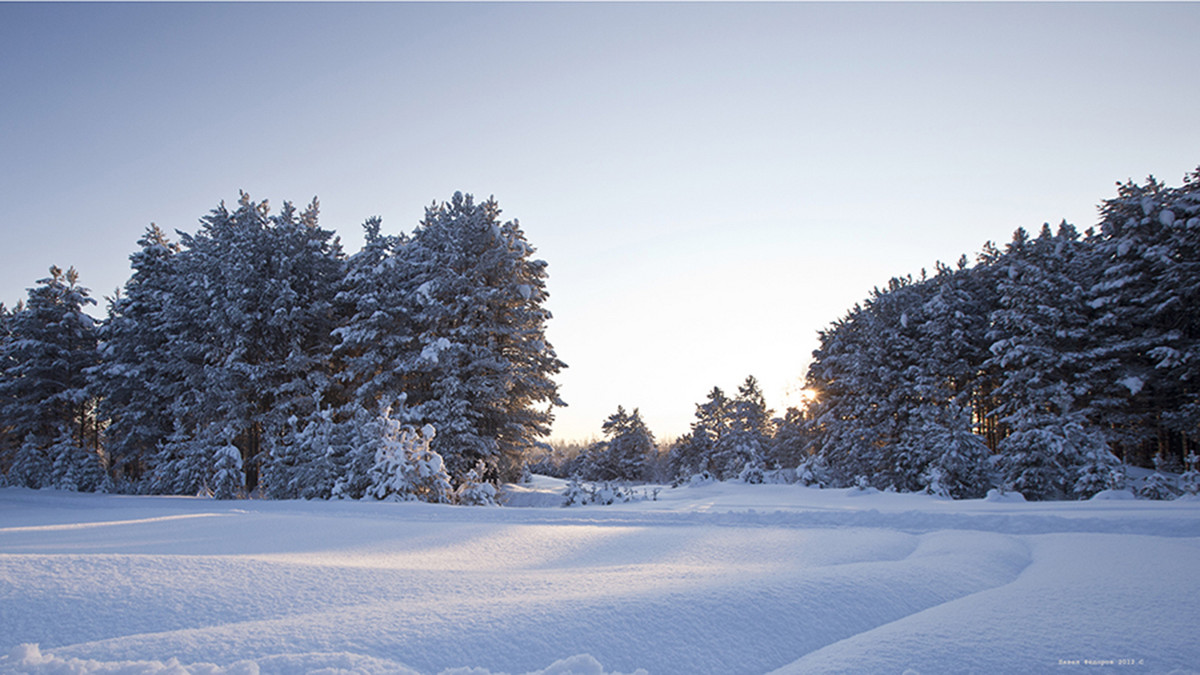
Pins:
x,y
722,578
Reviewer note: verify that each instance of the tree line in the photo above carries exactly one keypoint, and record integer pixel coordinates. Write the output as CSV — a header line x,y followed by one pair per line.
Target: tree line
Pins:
x,y
254,357
1045,367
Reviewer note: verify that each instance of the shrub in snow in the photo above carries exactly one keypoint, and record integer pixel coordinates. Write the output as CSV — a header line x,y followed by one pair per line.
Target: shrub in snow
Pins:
x,y
575,493
405,469
752,473
700,479
780,476
579,493
1110,495
474,491
1189,482
30,467
1100,470
933,483
1156,486
862,487
1003,495
812,472
227,481
608,494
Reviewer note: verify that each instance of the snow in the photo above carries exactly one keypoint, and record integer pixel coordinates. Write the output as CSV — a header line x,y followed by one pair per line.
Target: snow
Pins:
x,y
433,350
717,578
1133,383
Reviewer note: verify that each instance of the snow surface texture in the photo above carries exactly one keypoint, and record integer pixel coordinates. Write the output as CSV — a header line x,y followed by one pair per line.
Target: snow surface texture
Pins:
x,y
721,578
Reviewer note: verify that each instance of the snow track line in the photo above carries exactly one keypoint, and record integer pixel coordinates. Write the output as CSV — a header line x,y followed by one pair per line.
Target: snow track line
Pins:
x,y
109,523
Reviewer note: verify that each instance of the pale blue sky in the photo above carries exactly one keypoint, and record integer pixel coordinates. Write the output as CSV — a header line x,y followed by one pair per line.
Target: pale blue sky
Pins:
x,y
710,183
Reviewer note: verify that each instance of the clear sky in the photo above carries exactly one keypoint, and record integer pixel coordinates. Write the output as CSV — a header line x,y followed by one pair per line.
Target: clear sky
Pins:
x,y
711,184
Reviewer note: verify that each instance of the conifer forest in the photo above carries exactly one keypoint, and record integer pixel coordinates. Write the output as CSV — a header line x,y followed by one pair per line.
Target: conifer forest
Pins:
x,y
255,358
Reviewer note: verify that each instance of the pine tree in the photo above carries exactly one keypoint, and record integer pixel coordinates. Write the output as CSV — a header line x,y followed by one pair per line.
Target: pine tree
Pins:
x,y
44,388
484,366
622,455
746,435
1189,481
1039,330
868,375
693,453
245,349
1145,368
8,434
953,459
131,382
1156,486
790,444
377,339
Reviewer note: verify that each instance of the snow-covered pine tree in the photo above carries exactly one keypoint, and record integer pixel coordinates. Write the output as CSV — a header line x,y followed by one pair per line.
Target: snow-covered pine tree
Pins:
x,y
227,480
377,338
132,383
8,439
44,389
1157,486
693,453
746,435
954,460
305,265
483,375
623,454
866,372
248,335
843,438
1145,369
789,446
953,336
1039,333
375,351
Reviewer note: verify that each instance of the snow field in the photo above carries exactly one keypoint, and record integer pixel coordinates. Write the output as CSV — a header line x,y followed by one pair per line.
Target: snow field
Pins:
x,y
725,578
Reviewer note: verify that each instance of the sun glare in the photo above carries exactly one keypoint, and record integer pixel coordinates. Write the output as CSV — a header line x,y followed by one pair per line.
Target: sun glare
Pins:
x,y
799,397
